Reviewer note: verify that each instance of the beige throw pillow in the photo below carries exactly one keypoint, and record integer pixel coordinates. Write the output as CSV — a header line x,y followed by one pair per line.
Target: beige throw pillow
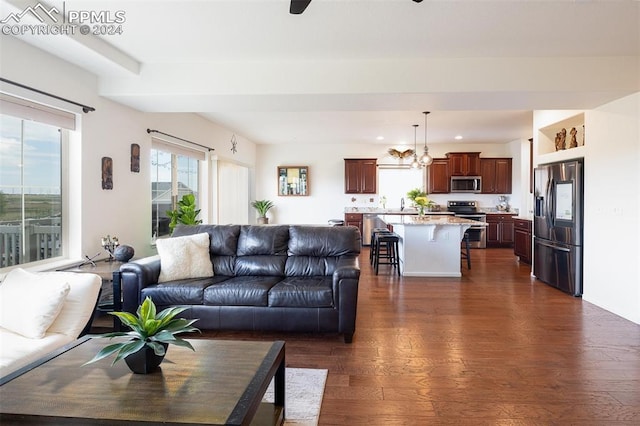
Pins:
x,y
30,302
184,257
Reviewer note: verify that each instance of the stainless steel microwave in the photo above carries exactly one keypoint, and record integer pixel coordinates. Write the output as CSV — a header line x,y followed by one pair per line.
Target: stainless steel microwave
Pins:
x,y
466,184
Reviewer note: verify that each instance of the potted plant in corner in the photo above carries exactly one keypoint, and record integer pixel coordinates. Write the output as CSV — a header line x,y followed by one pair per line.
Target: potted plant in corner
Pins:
x,y
186,213
262,206
150,335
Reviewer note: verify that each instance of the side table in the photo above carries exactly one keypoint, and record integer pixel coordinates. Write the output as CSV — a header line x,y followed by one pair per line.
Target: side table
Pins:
x,y
109,271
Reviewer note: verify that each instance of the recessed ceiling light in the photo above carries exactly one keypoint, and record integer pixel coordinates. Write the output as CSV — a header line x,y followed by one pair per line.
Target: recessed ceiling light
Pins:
x,y
458,137
380,138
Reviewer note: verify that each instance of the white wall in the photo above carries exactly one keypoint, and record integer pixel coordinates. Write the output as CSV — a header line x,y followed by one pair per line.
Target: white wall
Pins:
x,y
109,131
612,207
327,199
611,201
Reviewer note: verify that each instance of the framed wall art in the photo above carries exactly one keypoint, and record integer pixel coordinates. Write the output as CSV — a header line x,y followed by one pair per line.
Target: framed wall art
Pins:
x,y
293,180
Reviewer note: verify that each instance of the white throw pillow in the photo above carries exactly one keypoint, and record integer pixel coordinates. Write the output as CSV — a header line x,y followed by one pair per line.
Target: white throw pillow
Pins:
x,y
184,257
30,302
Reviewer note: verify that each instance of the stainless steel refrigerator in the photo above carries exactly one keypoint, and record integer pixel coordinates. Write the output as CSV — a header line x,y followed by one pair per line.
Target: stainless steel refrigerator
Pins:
x,y
558,225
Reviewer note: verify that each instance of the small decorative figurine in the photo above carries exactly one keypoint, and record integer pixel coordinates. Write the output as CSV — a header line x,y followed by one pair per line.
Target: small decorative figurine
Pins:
x,y
574,140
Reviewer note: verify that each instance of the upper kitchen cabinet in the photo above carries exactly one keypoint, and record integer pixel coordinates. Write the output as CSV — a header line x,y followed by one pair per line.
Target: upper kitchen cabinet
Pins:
x,y
439,177
464,163
496,175
360,175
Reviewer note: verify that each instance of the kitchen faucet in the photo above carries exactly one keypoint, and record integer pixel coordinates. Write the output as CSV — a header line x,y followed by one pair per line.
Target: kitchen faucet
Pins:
x,y
402,204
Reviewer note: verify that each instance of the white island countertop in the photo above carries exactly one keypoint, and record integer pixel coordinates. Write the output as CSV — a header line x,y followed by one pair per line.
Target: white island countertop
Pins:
x,y
429,245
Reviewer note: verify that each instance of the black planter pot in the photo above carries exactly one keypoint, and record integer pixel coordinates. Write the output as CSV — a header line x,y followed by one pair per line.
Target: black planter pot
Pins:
x,y
145,360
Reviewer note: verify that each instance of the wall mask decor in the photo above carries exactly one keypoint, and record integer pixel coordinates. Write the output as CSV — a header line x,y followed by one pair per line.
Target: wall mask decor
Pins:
x,y
107,173
234,144
135,158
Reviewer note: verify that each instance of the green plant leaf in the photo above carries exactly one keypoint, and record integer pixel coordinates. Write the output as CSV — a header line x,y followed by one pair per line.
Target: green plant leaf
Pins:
x,y
174,341
262,206
185,213
158,349
105,352
147,310
129,348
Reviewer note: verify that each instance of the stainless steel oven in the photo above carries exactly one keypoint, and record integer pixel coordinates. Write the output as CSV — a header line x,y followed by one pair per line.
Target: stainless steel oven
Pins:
x,y
469,210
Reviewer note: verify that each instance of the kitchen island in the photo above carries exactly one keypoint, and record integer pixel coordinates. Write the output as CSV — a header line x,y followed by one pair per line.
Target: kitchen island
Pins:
x,y
429,245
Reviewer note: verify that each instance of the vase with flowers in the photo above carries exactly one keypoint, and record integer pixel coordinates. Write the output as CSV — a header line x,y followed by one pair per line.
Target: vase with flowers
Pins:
x,y
421,203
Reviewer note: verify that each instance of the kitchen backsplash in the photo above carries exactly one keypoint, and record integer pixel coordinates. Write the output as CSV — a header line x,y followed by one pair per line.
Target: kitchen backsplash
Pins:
x,y
363,202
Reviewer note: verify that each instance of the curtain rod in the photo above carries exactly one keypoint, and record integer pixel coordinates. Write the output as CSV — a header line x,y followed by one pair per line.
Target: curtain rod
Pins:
x,y
175,137
85,108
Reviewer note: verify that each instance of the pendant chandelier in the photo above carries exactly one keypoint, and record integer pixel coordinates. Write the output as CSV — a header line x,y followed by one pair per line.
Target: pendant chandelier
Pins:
x,y
415,163
425,159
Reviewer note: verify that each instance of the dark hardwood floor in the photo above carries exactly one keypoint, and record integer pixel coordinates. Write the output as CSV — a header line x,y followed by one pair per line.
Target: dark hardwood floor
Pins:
x,y
494,347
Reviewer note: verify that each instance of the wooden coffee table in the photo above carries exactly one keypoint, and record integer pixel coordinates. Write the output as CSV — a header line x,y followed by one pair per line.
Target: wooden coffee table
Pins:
x,y
222,382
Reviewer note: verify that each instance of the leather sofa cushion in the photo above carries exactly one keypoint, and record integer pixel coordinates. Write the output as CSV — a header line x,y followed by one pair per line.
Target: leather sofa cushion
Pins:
x,y
263,240
307,292
260,265
309,266
182,292
240,291
323,241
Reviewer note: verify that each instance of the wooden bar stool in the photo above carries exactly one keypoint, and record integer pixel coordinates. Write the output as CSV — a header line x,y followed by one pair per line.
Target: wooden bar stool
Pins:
x,y
387,251
466,251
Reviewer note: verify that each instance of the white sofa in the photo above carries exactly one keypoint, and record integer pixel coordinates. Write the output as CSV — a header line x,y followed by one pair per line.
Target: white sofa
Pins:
x,y
41,312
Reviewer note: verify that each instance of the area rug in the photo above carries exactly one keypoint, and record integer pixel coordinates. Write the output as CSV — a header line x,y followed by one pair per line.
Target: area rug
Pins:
x,y
303,392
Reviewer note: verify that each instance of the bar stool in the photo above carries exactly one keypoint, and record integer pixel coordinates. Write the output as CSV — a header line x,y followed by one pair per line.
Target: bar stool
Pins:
x,y
466,252
386,250
372,246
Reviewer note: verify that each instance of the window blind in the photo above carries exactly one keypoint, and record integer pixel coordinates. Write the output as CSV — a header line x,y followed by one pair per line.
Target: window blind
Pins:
x,y
28,110
177,149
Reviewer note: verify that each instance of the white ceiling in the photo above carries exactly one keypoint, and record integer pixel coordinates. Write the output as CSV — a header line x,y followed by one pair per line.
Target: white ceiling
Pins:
x,y
349,71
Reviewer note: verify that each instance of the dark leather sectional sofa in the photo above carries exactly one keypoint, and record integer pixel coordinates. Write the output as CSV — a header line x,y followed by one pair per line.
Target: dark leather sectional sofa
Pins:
x,y
266,278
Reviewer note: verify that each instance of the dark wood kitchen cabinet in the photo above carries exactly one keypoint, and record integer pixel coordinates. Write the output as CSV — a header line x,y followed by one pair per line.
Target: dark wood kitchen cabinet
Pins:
x,y
500,232
522,239
360,175
496,175
464,163
438,176
353,219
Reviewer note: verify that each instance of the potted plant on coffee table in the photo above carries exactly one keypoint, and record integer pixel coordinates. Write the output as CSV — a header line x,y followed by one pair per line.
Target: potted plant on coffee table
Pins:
x,y
150,335
262,207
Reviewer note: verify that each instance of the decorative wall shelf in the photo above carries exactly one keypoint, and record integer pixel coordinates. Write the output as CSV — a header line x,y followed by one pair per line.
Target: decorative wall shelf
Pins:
x,y
563,135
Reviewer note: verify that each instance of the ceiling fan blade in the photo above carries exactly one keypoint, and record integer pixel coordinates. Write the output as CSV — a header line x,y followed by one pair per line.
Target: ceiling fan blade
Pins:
x,y
298,6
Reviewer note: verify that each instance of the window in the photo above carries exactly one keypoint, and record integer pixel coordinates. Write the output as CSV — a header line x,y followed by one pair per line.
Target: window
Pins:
x,y
394,183
175,171
30,190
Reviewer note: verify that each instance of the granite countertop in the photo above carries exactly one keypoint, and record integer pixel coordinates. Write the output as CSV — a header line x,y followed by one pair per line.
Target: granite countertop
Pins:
x,y
440,220
380,211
